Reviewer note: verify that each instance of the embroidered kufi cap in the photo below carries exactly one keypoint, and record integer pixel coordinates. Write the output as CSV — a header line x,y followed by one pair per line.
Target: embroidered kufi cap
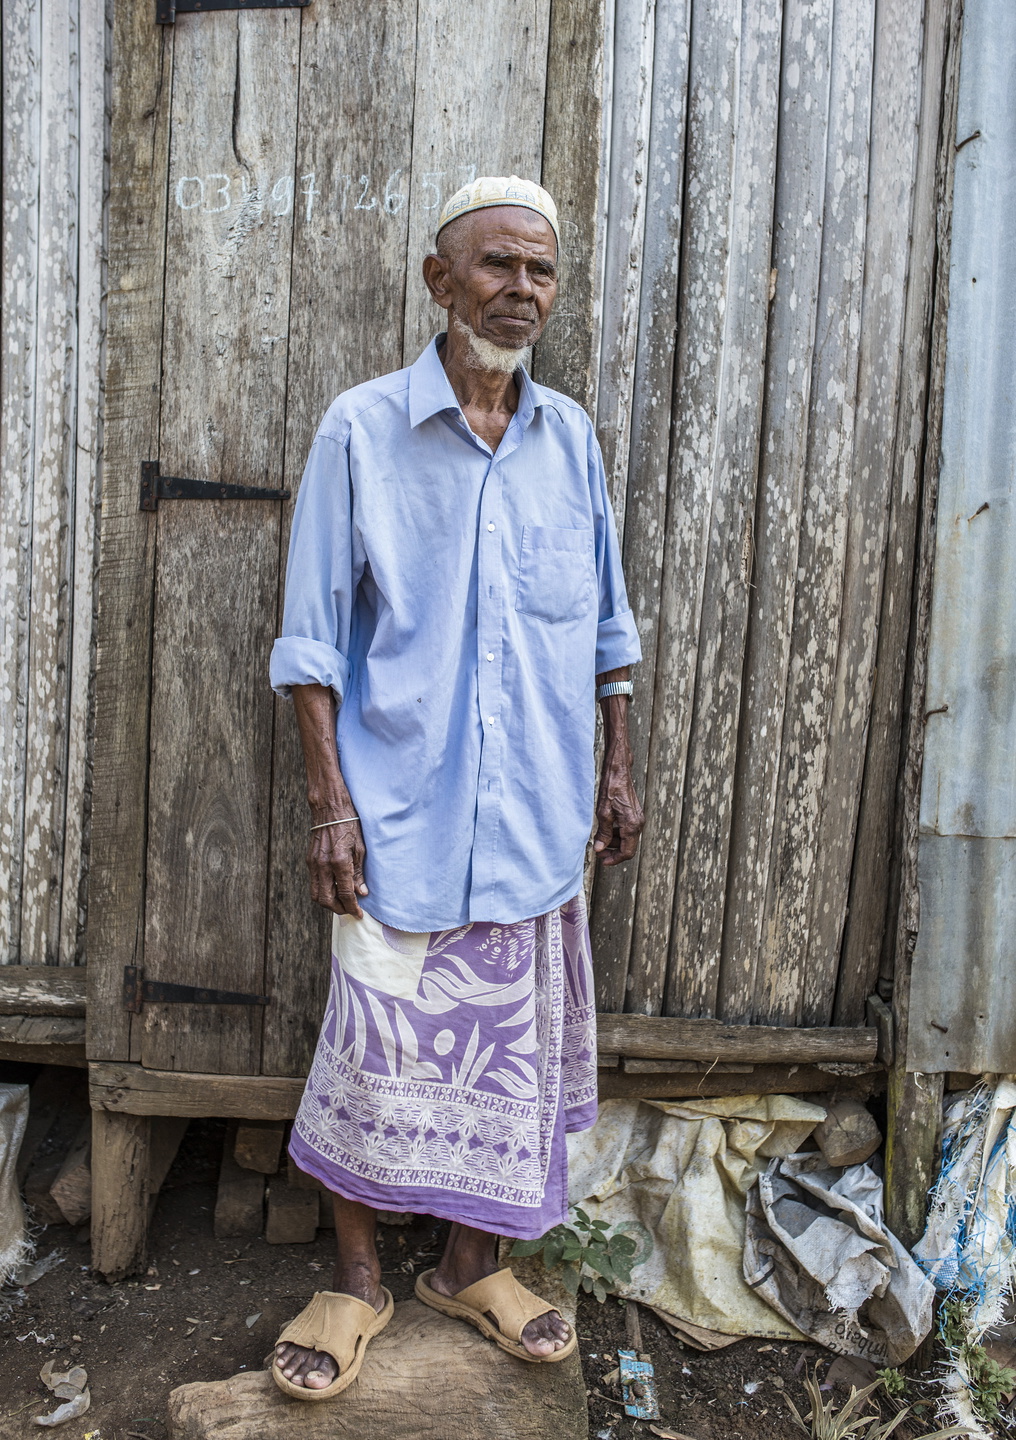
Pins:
x,y
492,190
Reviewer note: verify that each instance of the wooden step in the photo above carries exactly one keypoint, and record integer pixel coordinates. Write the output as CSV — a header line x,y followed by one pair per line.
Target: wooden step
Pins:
x,y
425,1377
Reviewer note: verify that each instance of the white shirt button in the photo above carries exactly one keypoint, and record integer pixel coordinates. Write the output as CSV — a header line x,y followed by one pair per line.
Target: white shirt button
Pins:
x,y
490,654
490,719
490,525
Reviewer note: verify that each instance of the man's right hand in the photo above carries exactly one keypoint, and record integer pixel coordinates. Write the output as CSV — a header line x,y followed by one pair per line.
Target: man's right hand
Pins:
x,y
335,859
336,853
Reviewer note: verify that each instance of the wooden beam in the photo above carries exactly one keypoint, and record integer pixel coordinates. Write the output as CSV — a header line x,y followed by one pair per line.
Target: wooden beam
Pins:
x,y
121,1182
42,1039
132,1090
912,1149
713,1084
42,990
654,1037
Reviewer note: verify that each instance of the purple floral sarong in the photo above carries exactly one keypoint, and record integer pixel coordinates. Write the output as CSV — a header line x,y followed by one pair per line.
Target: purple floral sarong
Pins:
x,y
449,1067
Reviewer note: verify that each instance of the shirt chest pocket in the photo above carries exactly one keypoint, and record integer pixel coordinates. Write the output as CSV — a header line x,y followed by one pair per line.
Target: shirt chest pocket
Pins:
x,y
557,573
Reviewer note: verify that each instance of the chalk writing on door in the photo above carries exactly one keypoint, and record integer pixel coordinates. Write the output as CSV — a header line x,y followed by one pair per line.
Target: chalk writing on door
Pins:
x,y
311,196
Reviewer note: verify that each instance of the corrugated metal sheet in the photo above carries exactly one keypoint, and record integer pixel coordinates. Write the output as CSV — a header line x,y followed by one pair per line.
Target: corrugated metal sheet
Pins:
x,y
962,1011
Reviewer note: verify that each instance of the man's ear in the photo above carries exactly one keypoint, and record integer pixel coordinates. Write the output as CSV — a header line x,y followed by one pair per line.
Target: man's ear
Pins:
x,y
436,278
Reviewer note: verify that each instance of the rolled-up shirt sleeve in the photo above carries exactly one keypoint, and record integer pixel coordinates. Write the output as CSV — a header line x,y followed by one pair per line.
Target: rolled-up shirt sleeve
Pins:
x,y
617,639
322,573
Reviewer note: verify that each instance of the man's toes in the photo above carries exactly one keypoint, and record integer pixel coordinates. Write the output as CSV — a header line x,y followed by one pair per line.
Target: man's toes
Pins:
x,y
311,1368
321,1374
546,1334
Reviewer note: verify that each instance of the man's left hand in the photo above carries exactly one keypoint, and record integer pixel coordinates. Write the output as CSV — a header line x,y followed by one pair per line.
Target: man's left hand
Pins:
x,y
618,809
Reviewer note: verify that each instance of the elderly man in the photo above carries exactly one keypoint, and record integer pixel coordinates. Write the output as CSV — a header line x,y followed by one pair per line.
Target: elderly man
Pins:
x,y
454,588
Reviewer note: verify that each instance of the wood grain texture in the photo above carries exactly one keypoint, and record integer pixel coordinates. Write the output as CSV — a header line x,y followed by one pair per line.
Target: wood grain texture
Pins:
x,y
763,1080
727,540
657,1037
631,114
869,932
121,1170
575,171
914,1105
42,990
137,224
477,110
52,490
425,1377
133,1090
21,94
825,530
62,1031
797,253
355,94
888,201
235,79
711,119
649,453
94,41
53,125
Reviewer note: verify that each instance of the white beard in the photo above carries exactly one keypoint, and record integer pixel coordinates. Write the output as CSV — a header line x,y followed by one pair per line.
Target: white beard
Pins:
x,y
483,355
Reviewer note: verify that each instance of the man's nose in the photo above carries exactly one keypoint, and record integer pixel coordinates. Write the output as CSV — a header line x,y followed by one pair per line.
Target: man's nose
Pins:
x,y
522,284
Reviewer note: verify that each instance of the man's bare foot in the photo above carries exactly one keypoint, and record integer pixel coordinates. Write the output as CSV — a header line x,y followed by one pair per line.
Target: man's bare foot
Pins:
x,y
316,1369
470,1256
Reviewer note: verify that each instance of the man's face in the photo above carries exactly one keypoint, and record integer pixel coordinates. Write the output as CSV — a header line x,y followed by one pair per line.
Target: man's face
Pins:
x,y
500,277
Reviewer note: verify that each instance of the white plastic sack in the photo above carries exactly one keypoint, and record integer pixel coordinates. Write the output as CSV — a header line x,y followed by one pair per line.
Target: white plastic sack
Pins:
x,y
674,1175
15,1247
817,1249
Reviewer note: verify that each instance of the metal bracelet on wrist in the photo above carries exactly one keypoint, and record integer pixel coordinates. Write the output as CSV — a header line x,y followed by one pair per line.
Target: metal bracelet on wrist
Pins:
x,y
614,687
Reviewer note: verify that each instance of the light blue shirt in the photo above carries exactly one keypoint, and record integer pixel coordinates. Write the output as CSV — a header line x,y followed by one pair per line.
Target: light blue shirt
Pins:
x,y
460,604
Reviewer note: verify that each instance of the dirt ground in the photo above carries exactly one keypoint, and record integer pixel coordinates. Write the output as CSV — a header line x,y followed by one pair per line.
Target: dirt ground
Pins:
x,y
208,1309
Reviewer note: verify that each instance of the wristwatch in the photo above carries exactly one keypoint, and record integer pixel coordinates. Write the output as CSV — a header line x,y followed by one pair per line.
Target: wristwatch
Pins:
x,y
614,687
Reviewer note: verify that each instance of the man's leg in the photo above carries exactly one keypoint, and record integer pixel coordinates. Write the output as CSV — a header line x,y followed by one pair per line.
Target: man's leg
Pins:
x,y
471,1255
357,1272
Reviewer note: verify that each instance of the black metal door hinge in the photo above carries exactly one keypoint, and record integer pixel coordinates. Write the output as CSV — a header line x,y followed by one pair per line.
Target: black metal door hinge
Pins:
x,y
137,991
166,10
156,487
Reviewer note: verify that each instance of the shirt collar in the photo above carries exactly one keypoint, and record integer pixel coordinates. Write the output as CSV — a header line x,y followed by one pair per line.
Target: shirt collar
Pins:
x,y
430,390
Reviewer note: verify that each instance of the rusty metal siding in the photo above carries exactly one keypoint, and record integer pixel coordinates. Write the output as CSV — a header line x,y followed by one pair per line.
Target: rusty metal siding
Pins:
x,y
963,1015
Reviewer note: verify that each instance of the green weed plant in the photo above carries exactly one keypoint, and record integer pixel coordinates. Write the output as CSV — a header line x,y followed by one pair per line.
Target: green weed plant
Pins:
x,y
589,1256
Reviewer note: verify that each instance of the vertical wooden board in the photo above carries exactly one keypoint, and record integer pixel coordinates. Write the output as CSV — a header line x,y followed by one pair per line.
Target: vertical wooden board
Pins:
x,y
21,91
709,170
875,870
649,451
797,250
574,171
896,100
356,104
478,110
137,225
824,531
46,715
231,194
709,797
94,53
631,107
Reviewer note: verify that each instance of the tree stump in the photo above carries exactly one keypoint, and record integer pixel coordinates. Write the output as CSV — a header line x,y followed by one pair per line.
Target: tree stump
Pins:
x,y
425,1377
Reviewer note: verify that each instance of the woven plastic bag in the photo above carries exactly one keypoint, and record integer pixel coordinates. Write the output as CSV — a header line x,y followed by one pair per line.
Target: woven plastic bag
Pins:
x,y
15,1247
817,1250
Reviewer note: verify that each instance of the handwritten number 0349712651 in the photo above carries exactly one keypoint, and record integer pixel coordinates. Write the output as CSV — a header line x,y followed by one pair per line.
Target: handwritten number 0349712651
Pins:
x,y
217,192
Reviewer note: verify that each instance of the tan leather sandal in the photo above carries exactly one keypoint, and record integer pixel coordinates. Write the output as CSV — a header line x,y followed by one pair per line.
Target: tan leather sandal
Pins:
x,y
339,1325
511,1304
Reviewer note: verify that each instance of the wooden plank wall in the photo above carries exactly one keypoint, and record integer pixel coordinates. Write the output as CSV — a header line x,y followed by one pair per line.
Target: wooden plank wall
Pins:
x,y
738,323
762,180
55,73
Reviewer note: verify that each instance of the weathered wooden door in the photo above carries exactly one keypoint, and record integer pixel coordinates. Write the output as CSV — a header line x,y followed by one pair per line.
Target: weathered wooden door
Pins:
x,y
276,177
